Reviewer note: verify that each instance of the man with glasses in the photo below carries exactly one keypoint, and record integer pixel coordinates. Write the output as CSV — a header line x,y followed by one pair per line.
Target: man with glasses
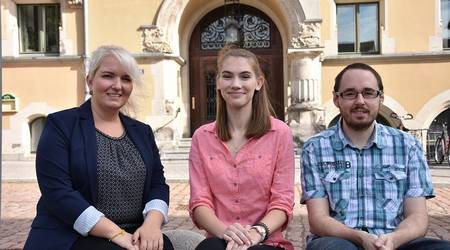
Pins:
x,y
364,183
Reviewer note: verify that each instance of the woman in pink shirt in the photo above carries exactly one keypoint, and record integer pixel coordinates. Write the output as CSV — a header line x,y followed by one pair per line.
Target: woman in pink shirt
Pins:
x,y
242,165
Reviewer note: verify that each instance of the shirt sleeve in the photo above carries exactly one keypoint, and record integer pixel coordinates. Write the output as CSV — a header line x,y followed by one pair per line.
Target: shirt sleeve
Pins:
x,y
158,205
419,177
87,220
282,189
201,194
312,186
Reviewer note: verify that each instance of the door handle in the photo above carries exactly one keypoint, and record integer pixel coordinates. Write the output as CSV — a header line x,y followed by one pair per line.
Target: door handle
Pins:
x,y
193,102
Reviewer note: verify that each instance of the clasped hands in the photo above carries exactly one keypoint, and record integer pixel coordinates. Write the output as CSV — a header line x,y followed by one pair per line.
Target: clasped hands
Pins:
x,y
240,237
373,242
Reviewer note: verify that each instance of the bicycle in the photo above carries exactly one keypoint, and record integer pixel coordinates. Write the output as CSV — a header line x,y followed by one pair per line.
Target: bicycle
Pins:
x,y
442,148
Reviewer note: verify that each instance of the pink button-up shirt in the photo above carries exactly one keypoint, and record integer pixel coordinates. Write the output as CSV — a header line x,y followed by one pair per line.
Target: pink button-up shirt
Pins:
x,y
245,188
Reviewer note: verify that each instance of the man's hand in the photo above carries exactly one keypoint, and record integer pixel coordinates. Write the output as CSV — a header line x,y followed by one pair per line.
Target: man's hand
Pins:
x,y
367,241
148,237
385,242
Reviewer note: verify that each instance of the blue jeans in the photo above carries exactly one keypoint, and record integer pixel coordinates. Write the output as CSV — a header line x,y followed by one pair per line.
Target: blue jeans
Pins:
x,y
335,243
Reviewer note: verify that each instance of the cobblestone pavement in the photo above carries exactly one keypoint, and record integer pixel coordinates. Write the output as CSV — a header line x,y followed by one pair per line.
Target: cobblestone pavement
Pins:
x,y
19,201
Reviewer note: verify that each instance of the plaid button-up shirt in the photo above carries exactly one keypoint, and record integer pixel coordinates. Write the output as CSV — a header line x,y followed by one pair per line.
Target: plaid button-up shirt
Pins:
x,y
365,188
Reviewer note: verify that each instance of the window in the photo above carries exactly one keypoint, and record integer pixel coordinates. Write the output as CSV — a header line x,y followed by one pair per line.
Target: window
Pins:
x,y
357,26
38,28
256,33
445,17
36,128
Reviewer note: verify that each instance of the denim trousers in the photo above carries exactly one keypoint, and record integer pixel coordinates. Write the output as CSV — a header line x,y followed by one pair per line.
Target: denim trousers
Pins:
x,y
335,243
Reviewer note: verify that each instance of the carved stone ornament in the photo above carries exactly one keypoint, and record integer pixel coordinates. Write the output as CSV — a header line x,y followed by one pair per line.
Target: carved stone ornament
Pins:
x,y
153,39
75,3
308,36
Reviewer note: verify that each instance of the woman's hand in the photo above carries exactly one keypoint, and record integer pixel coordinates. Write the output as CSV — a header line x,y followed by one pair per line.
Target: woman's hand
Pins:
x,y
148,237
125,241
239,234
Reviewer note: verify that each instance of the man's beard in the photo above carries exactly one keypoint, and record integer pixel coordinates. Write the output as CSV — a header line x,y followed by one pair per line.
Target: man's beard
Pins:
x,y
359,125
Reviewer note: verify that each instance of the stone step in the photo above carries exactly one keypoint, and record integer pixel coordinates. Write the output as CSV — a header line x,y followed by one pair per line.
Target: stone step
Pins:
x,y
184,143
174,154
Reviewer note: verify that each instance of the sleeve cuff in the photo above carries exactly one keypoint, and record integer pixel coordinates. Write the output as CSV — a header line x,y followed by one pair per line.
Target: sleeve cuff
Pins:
x,y
307,195
420,192
158,205
87,220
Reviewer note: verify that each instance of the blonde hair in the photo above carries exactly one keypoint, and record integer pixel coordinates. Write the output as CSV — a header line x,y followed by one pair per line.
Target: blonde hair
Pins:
x,y
127,61
261,107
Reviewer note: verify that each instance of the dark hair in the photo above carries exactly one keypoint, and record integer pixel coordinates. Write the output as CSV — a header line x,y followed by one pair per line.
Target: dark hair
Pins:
x,y
363,66
261,107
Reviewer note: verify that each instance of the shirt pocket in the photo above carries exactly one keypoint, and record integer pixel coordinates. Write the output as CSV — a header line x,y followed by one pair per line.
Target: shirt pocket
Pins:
x,y
390,186
338,186
220,173
260,169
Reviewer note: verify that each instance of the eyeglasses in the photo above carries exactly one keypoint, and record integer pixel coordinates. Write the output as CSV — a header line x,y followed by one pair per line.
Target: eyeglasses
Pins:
x,y
352,94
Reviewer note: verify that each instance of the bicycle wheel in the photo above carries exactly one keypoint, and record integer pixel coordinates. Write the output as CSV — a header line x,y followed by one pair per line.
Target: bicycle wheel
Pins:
x,y
439,150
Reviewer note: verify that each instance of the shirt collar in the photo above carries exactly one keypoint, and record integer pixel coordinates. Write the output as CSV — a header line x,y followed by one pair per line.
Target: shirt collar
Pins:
x,y
340,140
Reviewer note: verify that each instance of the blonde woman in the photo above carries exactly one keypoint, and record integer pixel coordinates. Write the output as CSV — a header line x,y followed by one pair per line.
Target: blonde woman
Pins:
x,y
99,171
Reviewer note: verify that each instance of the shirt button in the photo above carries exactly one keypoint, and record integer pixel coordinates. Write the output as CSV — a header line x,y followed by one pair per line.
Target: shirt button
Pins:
x,y
210,158
235,184
238,218
236,201
235,166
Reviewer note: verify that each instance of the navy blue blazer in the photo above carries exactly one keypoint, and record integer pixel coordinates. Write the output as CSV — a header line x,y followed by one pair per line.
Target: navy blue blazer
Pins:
x,y
66,168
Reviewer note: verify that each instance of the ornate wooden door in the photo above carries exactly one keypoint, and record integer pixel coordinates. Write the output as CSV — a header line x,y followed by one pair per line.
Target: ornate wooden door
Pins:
x,y
261,37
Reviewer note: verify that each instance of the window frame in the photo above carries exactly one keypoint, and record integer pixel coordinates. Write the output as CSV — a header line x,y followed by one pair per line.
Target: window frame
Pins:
x,y
445,25
45,51
357,38
36,125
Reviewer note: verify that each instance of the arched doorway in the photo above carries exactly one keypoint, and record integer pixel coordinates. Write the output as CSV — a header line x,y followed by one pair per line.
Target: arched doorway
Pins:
x,y
261,37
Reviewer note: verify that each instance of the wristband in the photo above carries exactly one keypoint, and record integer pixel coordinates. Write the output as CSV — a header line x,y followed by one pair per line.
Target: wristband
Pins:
x,y
117,234
266,228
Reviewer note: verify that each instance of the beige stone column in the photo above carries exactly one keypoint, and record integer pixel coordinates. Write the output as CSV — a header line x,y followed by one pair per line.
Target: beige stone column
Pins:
x,y
305,113
162,68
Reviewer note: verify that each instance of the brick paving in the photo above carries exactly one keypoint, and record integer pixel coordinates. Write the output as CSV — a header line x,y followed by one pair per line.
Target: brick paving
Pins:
x,y
19,200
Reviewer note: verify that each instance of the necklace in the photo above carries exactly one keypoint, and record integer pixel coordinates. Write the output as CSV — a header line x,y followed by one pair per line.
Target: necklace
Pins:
x,y
235,148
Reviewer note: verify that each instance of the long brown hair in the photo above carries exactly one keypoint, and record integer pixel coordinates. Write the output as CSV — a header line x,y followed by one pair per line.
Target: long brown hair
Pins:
x,y
261,107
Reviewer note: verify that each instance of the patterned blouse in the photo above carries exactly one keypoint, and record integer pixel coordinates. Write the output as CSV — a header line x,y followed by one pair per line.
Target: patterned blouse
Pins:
x,y
121,177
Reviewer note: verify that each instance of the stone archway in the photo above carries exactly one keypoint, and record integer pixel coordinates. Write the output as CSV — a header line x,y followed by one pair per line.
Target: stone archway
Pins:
x,y
295,19
169,16
433,108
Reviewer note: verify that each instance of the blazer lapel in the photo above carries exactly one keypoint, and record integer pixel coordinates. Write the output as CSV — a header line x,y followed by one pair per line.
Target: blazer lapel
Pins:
x,y
139,138
90,146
